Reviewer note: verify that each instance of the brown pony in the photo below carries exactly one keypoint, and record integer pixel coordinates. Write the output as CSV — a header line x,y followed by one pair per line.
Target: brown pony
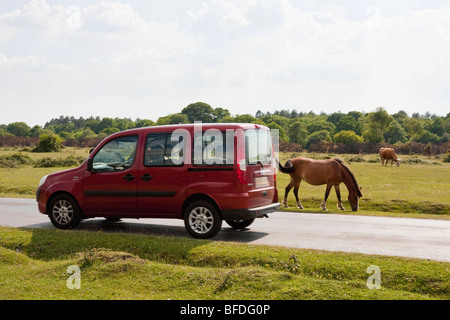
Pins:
x,y
317,172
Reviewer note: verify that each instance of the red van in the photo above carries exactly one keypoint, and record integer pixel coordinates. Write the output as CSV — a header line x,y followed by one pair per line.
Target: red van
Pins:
x,y
201,173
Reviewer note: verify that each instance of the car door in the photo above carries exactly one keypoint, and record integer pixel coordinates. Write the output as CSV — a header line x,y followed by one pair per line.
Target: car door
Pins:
x,y
162,175
111,186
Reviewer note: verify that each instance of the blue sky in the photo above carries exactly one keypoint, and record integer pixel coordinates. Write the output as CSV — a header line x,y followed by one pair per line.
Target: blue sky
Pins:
x,y
147,59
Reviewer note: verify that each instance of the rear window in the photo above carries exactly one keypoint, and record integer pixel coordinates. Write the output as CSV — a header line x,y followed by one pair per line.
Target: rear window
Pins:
x,y
258,147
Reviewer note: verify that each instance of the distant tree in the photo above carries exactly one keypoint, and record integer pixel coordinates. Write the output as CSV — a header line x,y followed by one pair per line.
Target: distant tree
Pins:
x,y
105,124
377,124
348,123
244,118
335,117
319,125
281,132
414,127
220,113
199,111
317,136
426,137
437,126
297,133
140,123
175,118
36,131
395,133
19,129
347,137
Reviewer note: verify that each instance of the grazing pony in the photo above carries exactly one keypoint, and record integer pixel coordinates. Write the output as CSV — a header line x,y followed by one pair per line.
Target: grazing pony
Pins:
x,y
387,154
317,172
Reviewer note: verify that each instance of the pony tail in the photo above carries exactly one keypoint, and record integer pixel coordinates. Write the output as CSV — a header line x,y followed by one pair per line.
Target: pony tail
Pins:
x,y
288,167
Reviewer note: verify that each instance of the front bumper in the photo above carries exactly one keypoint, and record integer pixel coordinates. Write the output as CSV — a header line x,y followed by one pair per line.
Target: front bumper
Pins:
x,y
245,214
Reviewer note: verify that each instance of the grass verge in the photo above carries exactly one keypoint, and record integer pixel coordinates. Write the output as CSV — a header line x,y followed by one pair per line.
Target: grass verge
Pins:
x,y
34,263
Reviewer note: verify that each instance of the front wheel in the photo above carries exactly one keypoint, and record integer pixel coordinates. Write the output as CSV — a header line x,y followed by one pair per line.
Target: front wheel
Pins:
x,y
64,212
202,220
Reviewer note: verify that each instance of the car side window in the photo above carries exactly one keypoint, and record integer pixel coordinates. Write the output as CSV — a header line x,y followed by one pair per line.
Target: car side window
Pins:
x,y
117,155
161,149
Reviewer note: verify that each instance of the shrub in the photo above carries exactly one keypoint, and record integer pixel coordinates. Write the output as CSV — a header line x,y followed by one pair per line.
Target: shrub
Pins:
x,y
15,160
446,157
70,161
48,143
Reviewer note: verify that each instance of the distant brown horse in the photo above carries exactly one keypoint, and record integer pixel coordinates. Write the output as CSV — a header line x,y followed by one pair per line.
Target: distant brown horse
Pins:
x,y
331,172
387,154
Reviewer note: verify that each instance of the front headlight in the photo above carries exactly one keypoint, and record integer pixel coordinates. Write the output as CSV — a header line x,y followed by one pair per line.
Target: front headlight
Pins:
x,y
42,181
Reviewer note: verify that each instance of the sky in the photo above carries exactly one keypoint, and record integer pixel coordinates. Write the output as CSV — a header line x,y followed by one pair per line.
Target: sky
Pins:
x,y
148,59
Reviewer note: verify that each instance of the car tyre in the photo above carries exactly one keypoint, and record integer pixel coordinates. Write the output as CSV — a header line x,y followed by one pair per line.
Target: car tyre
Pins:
x,y
202,220
64,212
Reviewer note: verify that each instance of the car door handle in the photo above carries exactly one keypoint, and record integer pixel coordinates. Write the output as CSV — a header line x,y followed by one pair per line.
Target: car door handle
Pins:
x,y
128,177
146,177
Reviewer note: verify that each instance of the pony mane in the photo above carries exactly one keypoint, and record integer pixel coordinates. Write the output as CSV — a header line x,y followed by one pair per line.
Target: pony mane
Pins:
x,y
351,176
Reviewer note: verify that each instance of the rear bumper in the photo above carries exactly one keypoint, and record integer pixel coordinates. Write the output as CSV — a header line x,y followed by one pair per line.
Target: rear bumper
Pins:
x,y
245,214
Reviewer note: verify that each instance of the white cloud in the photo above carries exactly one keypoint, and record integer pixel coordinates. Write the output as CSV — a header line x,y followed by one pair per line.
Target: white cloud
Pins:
x,y
234,54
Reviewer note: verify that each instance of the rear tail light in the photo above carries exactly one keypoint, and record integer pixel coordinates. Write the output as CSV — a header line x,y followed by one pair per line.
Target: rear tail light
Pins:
x,y
241,166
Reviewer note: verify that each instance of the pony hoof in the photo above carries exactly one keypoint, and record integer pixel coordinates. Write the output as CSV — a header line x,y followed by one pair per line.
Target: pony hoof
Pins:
x,y
300,207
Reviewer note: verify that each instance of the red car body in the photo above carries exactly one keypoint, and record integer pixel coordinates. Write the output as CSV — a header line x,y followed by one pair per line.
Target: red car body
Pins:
x,y
153,173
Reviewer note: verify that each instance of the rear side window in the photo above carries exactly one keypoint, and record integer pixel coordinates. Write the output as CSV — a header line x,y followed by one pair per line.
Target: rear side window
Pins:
x,y
164,149
213,148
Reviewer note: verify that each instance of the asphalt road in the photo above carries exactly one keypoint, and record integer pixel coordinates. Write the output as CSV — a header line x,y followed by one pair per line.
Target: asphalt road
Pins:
x,y
416,238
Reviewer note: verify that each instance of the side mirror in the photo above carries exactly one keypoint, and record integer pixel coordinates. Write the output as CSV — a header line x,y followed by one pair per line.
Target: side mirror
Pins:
x,y
90,151
89,165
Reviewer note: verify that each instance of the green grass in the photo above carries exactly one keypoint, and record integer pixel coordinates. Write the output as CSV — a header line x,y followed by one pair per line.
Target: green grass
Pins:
x,y
415,189
33,265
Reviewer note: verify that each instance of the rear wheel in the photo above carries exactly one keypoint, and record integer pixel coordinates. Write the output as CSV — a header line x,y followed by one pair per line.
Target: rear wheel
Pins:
x,y
240,224
64,212
202,220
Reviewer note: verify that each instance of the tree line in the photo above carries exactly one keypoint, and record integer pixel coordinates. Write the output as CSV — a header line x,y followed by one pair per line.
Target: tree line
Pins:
x,y
351,132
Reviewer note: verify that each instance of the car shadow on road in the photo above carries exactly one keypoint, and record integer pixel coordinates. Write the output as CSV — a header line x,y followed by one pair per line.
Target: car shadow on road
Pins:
x,y
174,229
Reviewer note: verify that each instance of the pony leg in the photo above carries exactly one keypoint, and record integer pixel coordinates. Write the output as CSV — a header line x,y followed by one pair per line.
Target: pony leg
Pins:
x,y
338,194
297,185
288,188
324,202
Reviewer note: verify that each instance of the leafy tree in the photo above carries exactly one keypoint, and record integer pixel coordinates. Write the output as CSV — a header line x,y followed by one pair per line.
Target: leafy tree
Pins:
x,y
36,131
395,133
377,124
321,135
221,113
281,132
320,125
427,137
298,133
143,123
244,118
437,126
348,123
199,111
335,117
19,129
347,137
414,127
175,118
